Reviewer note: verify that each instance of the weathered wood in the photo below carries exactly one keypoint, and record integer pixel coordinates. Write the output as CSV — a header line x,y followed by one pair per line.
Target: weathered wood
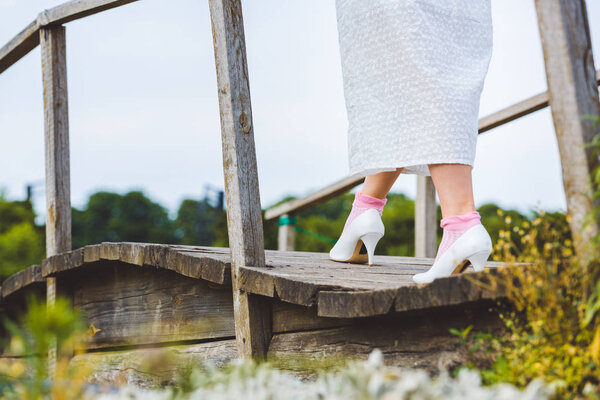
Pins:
x,y
355,304
152,367
208,263
302,278
425,218
22,280
573,93
56,125
76,9
127,305
19,46
58,177
413,340
289,317
244,214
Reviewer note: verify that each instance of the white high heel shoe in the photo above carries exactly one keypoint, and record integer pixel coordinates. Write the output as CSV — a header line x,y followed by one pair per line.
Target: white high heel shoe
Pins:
x,y
357,243
473,246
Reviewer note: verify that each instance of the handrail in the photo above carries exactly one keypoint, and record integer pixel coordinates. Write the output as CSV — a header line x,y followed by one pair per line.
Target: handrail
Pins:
x,y
499,118
29,38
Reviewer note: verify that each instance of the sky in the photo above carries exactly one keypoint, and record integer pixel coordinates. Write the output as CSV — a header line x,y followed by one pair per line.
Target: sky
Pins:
x,y
143,107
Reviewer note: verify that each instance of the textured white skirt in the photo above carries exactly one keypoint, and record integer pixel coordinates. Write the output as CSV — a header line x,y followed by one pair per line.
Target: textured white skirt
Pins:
x,y
413,73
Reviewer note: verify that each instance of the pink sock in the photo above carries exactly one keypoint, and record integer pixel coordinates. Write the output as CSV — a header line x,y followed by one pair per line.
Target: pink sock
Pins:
x,y
454,227
362,203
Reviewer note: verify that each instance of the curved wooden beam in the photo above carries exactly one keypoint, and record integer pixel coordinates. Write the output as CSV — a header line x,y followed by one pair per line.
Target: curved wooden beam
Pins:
x,y
339,290
208,263
22,280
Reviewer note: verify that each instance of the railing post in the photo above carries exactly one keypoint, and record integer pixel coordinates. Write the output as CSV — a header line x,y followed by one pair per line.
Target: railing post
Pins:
x,y
425,218
573,93
56,127
286,233
244,216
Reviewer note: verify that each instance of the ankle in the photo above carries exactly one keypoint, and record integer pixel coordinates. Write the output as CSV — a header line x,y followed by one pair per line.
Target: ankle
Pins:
x,y
461,222
364,201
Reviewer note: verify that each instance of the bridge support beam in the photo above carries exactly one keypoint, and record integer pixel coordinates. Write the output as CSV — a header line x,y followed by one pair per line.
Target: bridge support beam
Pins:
x,y
252,313
573,93
425,218
56,127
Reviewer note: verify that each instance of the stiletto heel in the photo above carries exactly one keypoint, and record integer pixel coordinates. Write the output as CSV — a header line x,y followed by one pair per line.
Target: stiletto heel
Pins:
x,y
479,259
357,242
474,246
370,241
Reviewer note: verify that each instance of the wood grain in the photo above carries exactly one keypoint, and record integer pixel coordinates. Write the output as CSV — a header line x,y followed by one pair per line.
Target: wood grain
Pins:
x,y
412,340
19,46
425,218
128,305
56,126
244,214
76,9
22,280
154,366
573,93
337,290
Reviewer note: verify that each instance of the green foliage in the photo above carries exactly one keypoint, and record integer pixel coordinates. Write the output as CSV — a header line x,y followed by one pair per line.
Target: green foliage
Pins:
x,y
21,241
37,332
554,334
111,217
196,221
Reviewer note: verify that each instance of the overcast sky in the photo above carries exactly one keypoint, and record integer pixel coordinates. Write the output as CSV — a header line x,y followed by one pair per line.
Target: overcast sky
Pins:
x,y
144,114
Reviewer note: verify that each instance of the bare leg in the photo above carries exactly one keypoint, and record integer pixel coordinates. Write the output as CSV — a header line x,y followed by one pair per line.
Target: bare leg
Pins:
x,y
454,187
379,185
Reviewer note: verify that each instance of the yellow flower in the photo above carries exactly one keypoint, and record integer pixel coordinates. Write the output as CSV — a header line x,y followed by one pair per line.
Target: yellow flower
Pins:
x,y
525,224
16,369
16,345
508,219
500,212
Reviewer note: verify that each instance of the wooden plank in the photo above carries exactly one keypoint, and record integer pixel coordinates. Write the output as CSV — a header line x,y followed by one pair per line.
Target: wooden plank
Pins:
x,y
152,367
289,317
76,9
211,264
355,304
56,125
22,280
573,93
244,214
128,305
513,112
295,206
415,340
425,218
19,46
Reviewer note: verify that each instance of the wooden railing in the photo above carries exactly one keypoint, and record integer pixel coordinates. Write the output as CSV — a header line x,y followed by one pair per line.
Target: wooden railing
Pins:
x,y
425,204
572,92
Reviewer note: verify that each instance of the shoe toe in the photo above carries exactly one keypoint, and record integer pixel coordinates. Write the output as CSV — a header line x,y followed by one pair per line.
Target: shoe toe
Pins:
x,y
421,278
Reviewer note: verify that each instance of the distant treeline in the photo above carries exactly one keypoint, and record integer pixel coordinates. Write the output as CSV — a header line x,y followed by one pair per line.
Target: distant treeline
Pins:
x,y
134,217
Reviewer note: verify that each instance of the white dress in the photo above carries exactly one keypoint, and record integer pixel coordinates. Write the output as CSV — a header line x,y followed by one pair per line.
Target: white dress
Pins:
x,y
413,73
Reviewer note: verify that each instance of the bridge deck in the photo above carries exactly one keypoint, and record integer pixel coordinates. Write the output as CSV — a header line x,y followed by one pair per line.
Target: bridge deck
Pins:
x,y
308,279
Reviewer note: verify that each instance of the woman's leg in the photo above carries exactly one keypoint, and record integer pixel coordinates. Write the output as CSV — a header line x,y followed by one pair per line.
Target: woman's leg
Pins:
x,y
379,185
454,188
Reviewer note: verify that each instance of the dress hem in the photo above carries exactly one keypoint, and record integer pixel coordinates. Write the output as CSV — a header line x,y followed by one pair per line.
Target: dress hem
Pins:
x,y
412,169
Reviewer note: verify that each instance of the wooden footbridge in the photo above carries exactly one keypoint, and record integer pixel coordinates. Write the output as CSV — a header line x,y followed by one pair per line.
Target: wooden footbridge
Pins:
x,y
219,303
